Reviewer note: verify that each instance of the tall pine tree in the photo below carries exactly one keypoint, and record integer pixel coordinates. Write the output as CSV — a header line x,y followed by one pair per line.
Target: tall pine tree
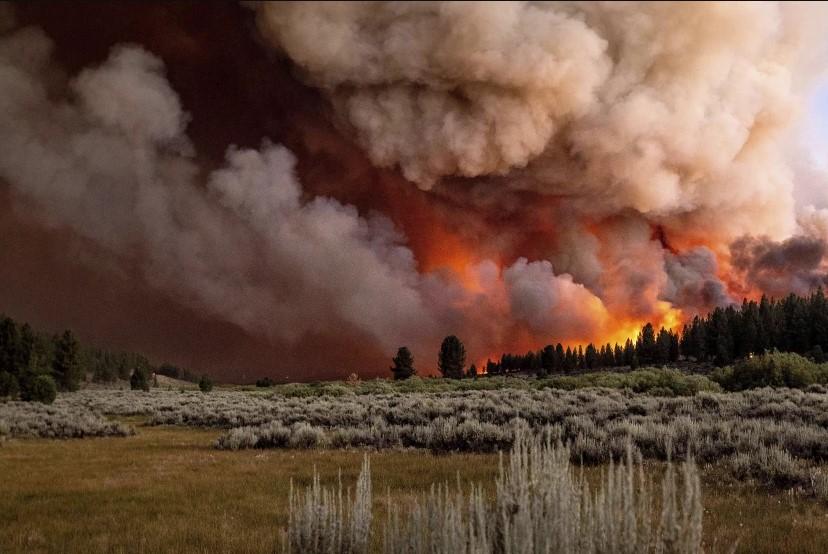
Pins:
x,y
66,367
452,358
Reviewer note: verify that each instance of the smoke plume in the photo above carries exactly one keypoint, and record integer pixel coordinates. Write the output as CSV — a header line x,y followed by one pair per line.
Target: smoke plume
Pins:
x,y
538,172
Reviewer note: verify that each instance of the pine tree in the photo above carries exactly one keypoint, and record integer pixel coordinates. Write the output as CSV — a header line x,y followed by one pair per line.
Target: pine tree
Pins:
x,y
205,384
609,356
9,385
619,356
629,352
645,345
719,338
531,362
66,366
139,379
590,357
25,347
765,333
403,367
818,307
452,358
548,359
674,347
748,321
472,372
570,359
9,344
662,349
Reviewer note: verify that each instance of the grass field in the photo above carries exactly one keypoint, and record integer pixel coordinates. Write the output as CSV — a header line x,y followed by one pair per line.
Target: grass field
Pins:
x,y
167,490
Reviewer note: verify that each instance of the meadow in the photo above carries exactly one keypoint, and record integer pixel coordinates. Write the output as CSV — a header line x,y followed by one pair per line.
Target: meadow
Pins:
x,y
273,469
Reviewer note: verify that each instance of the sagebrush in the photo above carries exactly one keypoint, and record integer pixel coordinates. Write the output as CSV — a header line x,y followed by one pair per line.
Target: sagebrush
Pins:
x,y
540,504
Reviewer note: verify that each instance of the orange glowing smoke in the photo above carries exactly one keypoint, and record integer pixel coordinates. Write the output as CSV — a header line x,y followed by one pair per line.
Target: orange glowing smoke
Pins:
x,y
443,251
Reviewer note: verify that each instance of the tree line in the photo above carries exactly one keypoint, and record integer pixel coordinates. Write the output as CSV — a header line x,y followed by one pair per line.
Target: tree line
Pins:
x,y
792,324
36,365
650,347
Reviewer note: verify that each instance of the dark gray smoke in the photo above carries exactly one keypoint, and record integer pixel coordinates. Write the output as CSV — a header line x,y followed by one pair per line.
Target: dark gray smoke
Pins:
x,y
797,264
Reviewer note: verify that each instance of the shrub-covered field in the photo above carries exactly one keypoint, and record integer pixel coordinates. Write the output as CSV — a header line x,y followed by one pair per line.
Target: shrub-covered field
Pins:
x,y
777,437
165,489
64,420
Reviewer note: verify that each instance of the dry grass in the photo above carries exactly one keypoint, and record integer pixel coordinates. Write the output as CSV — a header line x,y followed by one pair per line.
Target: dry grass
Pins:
x,y
167,490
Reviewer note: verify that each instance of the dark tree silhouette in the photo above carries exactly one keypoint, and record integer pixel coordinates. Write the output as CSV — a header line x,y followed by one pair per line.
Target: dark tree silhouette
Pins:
x,y
403,367
452,358
645,345
139,379
66,366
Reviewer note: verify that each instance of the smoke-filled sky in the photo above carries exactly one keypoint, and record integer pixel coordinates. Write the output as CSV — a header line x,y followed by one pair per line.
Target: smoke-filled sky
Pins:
x,y
296,189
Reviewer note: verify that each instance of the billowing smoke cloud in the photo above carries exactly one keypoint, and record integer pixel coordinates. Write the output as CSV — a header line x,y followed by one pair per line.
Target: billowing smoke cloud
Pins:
x,y
109,161
106,156
445,89
552,304
663,108
581,168
628,115
693,283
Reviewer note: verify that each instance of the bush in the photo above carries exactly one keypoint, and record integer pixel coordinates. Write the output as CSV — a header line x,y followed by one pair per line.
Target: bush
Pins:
x,y
335,390
640,380
775,369
139,379
771,466
42,389
205,384
295,390
267,382
376,386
